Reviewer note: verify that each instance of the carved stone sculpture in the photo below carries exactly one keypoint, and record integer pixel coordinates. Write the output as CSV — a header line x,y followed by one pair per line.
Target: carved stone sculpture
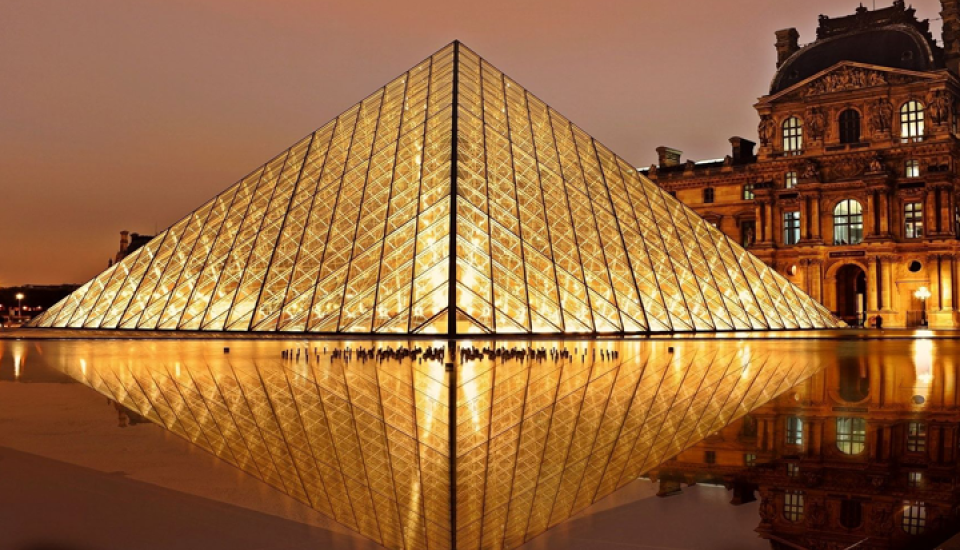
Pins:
x,y
939,102
767,130
816,122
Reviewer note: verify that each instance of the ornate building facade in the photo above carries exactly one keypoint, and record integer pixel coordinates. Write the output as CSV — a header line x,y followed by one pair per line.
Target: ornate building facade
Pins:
x,y
862,455
853,190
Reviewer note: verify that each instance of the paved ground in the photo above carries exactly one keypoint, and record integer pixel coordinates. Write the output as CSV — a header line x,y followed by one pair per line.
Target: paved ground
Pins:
x,y
71,479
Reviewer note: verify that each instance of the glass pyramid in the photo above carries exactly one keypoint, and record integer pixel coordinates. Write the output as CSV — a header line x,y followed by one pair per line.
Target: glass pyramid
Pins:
x,y
451,201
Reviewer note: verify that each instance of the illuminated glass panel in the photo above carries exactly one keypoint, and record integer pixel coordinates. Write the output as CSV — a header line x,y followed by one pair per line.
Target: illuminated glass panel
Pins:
x,y
451,199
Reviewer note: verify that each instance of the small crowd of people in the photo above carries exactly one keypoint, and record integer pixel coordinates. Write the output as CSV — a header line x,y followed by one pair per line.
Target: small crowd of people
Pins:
x,y
466,353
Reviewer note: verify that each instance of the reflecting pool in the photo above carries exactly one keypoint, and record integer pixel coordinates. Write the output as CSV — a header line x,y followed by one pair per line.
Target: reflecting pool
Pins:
x,y
401,440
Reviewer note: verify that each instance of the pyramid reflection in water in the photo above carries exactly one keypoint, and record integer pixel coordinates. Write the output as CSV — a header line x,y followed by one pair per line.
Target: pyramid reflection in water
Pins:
x,y
352,230
367,443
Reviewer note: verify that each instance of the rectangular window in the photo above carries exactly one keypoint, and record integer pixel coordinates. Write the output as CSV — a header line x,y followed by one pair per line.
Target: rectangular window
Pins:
x,y
708,195
913,220
793,469
794,430
790,180
710,457
914,479
748,191
791,227
912,169
916,437
792,136
793,506
851,435
749,460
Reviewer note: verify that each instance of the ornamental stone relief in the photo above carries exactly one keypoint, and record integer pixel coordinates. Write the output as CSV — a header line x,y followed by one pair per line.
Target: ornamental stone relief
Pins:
x,y
846,78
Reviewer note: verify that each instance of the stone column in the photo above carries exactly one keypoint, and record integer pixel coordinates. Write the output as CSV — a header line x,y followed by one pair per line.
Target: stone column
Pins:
x,y
933,302
930,212
869,216
805,218
886,283
768,223
884,214
815,271
946,282
815,206
761,227
872,286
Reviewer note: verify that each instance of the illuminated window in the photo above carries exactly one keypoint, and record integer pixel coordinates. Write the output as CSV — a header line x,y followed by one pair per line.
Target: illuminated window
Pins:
x,y
794,430
748,192
915,479
913,220
914,519
848,222
749,460
912,169
850,126
851,435
916,437
790,180
791,227
793,136
793,506
710,457
793,469
708,195
911,121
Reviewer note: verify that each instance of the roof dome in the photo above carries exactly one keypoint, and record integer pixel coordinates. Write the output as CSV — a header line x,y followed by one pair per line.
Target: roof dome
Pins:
x,y
899,47
889,37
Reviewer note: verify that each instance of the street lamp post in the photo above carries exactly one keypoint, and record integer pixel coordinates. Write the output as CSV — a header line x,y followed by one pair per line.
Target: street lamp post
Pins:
x,y
922,294
19,304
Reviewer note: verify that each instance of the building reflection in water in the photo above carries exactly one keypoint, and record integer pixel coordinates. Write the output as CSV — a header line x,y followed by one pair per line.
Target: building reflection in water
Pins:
x,y
863,454
370,442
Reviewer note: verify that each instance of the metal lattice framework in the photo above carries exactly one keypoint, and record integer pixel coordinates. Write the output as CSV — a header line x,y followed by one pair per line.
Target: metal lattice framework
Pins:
x,y
418,456
450,201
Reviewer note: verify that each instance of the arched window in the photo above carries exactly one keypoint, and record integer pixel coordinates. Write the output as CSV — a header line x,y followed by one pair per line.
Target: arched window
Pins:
x,y
851,513
911,121
793,135
914,519
793,506
850,126
708,195
851,435
848,222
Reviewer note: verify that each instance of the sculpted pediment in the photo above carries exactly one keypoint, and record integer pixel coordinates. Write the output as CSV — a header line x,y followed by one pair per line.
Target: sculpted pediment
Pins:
x,y
849,76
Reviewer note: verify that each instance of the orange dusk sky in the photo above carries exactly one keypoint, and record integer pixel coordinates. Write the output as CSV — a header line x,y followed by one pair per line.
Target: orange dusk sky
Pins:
x,y
128,114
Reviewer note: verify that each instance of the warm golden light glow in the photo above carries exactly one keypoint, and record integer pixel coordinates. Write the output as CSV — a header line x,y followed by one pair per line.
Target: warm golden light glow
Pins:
x,y
368,442
359,228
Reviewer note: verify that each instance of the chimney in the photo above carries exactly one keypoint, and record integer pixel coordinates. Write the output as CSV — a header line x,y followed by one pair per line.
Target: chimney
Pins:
x,y
668,157
951,34
742,150
124,241
788,42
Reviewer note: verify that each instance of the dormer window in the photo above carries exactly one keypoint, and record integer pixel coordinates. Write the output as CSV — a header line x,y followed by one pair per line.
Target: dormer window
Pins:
x,y
911,121
850,126
793,136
